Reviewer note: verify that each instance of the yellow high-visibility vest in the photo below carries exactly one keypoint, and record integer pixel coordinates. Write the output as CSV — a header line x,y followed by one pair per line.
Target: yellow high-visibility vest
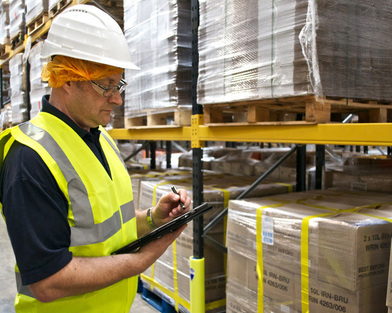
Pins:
x,y
101,209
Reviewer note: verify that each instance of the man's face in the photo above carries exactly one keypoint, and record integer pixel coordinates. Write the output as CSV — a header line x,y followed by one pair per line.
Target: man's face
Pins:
x,y
89,108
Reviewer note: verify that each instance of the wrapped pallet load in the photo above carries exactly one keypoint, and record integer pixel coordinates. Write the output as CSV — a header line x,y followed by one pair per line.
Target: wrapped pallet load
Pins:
x,y
18,95
17,21
4,23
36,10
364,172
253,50
159,37
319,252
169,276
37,87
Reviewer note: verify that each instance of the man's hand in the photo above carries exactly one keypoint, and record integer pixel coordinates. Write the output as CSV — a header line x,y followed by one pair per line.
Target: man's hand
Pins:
x,y
169,207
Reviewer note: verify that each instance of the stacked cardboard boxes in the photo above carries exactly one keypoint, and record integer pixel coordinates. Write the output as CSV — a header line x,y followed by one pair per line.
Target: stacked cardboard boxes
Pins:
x,y
17,19
35,9
367,173
4,23
37,87
159,38
18,95
389,287
171,272
319,251
273,49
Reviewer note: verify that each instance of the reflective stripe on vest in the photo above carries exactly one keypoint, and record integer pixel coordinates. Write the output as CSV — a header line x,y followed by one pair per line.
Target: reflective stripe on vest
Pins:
x,y
83,215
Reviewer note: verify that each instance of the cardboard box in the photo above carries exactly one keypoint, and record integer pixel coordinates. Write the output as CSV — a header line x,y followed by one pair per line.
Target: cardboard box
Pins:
x,y
214,259
282,243
348,250
389,286
154,175
215,284
282,291
378,182
217,192
251,50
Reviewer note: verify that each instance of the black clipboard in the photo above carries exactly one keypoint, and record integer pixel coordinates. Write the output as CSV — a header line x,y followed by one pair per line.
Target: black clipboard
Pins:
x,y
164,229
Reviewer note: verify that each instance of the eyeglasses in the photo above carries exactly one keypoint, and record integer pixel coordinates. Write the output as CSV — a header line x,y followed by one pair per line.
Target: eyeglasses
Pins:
x,y
110,90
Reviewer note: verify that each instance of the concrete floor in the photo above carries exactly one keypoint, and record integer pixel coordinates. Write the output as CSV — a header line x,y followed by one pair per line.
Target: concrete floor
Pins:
x,y
7,279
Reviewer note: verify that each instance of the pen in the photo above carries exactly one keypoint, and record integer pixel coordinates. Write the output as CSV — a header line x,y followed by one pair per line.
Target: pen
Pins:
x,y
176,192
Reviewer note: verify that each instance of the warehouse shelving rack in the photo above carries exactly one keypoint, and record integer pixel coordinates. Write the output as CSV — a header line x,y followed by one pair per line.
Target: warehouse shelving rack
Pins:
x,y
366,134
358,134
35,35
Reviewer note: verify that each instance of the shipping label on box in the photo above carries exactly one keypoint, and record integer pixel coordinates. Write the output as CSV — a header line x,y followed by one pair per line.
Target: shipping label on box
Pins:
x,y
327,298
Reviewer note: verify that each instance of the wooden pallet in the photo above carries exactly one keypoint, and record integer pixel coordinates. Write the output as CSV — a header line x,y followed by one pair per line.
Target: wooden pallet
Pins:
x,y
287,110
4,51
37,23
17,40
58,7
157,302
152,118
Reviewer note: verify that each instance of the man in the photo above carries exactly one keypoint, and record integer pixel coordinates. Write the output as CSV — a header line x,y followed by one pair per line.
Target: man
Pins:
x,y
65,193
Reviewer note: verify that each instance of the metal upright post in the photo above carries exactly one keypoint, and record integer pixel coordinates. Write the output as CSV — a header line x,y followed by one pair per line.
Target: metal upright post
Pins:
x,y
197,287
1,88
153,148
28,88
320,165
197,111
168,154
301,168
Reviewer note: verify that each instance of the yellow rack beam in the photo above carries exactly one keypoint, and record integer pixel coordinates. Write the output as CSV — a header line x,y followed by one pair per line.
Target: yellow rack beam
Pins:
x,y
372,134
152,133
375,134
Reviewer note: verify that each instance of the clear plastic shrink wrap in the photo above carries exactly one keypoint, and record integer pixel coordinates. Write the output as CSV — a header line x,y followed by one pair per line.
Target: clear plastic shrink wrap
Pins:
x,y
364,172
4,23
34,9
272,49
170,273
18,99
16,18
38,88
319,252
159,37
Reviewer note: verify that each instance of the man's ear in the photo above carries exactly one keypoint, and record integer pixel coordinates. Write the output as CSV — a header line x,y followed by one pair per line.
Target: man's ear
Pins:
x,y
67,86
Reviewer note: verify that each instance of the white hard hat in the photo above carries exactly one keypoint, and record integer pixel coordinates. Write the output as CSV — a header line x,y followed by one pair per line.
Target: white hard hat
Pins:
x,y
85,32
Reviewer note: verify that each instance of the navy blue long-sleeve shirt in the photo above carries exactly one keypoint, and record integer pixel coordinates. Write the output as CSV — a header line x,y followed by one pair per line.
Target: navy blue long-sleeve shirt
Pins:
x,y
35,209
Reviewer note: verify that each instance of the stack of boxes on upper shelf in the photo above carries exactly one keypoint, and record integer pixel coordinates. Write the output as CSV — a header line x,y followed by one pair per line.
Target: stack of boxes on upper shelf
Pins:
x,y
21,18
4,24
159,37
38,88
290,50
36,14
18,96
25,88
26,105
17,21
